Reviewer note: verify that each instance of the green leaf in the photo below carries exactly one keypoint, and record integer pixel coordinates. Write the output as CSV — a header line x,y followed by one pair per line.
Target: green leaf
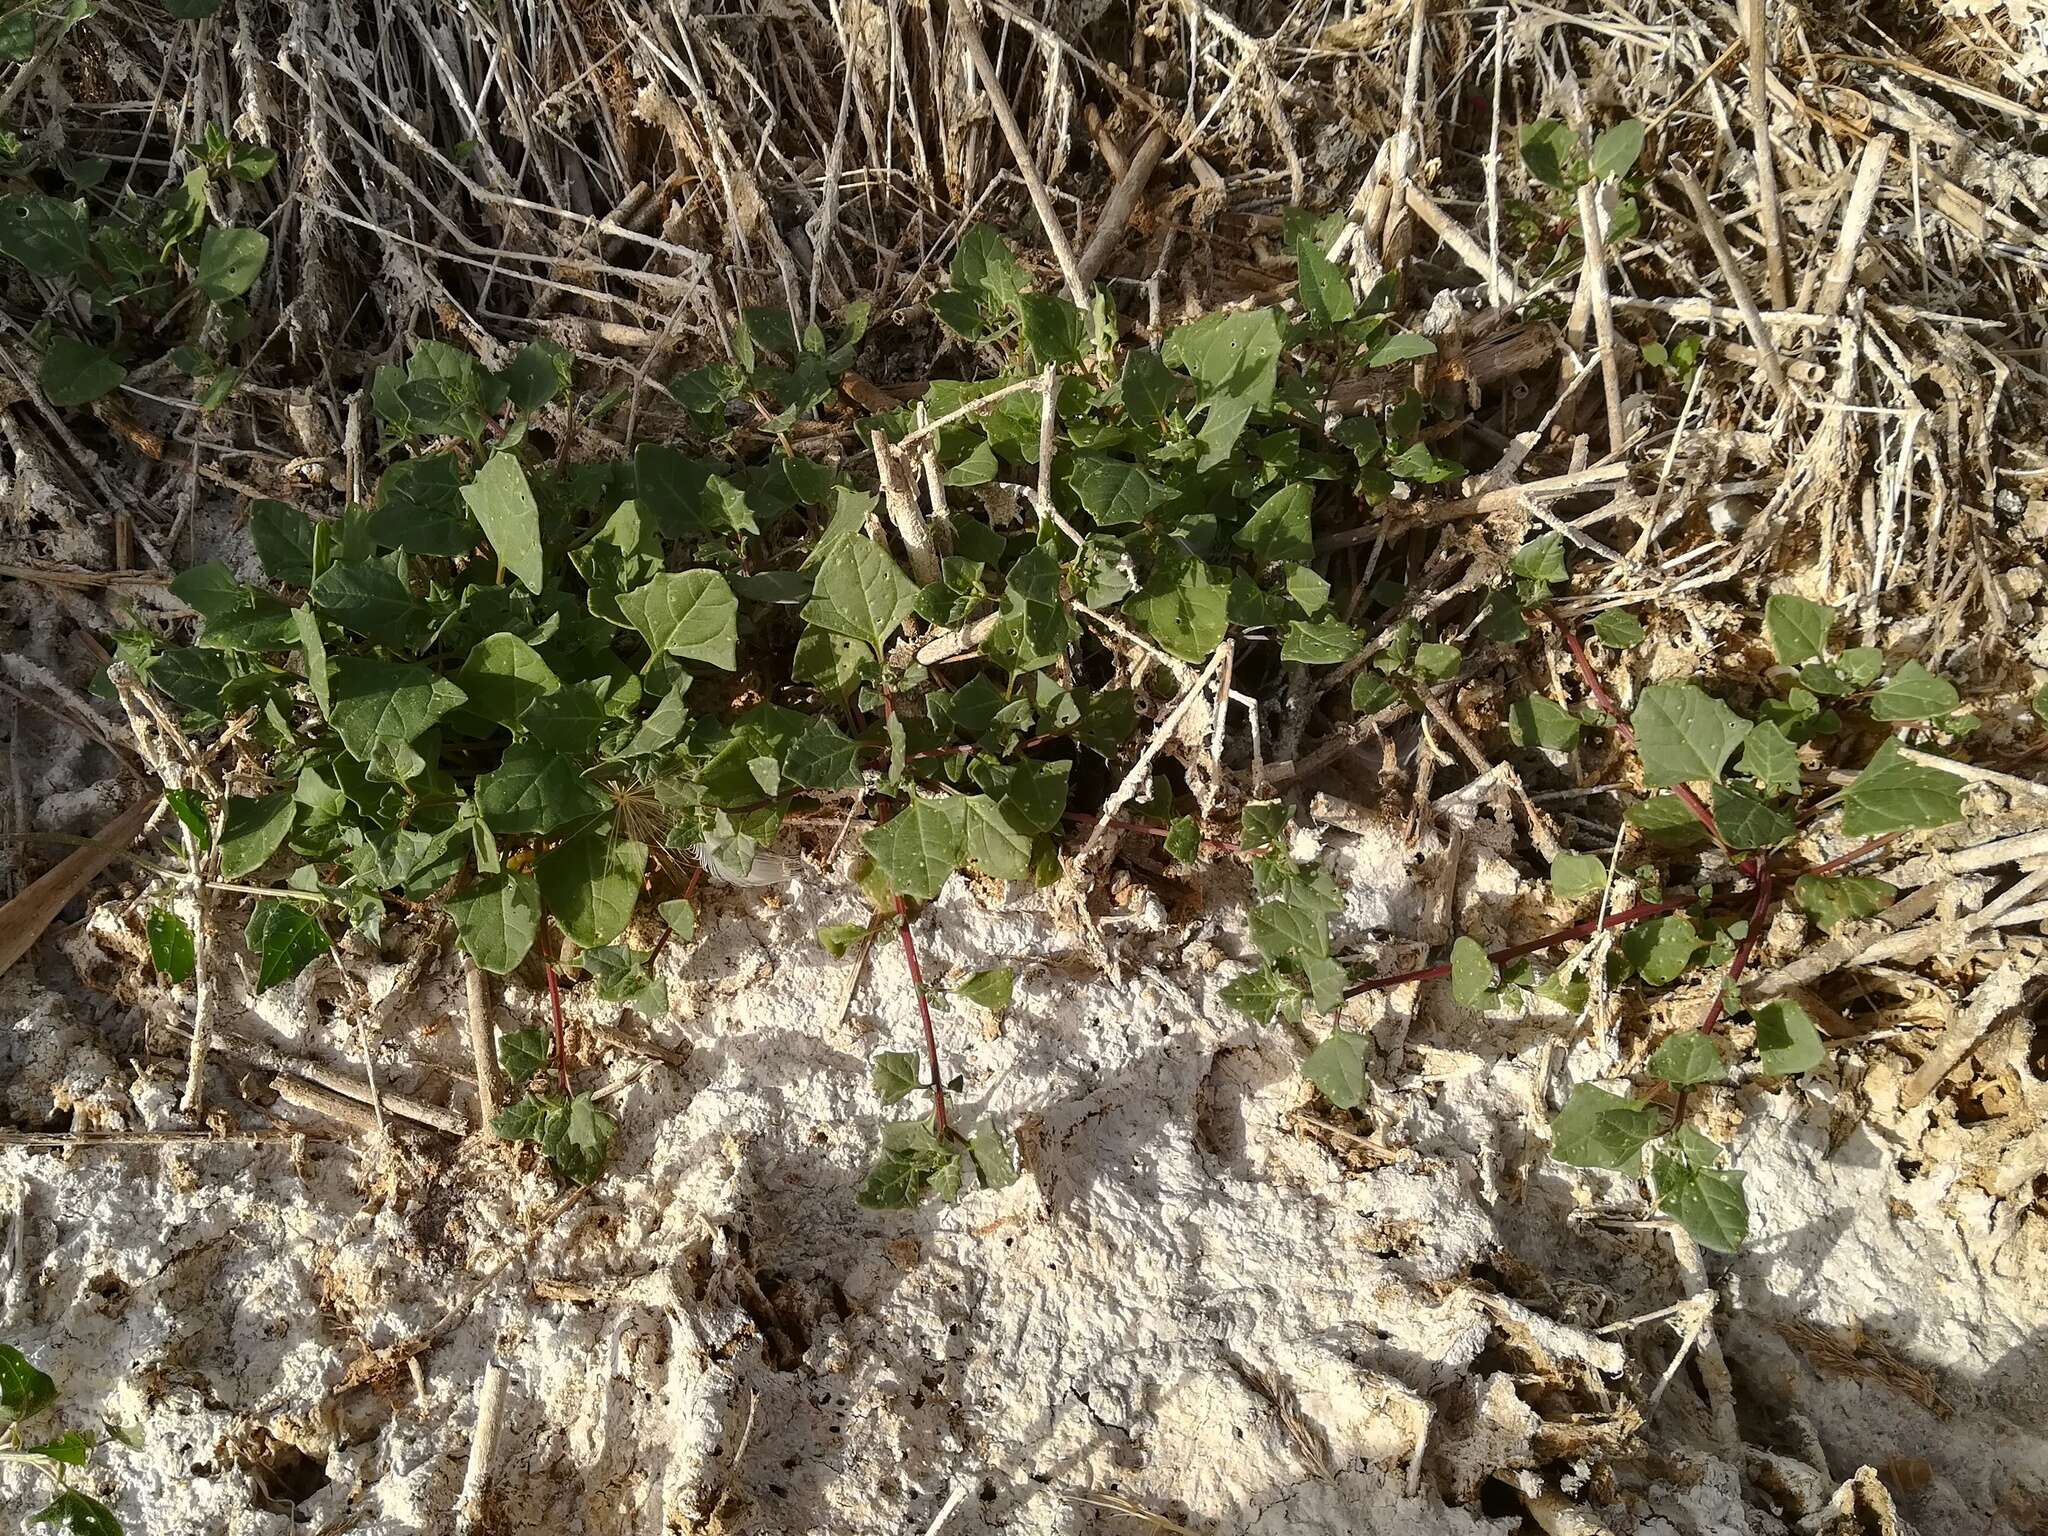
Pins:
x,y
591,883
577,1139
74,372
896,1075
1284,930
503,675
1688,1058
1548,149
24,1390
230,261
1661,950
688,614
1707,1202
681,918
2039,704
1258,994
1371,693
913,1164
1114,492
860,593
1769,757
992,989
1573,875
1914,693
1832,900
1894,793
285,937
72,1448
283,536
1683,735
1666,821
1619,628
1541,559
1320,642
1056,331
1337,1068
984,268
1860,665
503,503
1798,629
191,811
379,708
537,375
1747,820
170,944
1233,359
496,919
1279,529
1399,347
45,234
1183,839
370,597
1615,152
1183,607
1598,1129
1538,722
1472,975
1787,1041
918,849
523,1052
992,1158
837,938
75,1513
252,830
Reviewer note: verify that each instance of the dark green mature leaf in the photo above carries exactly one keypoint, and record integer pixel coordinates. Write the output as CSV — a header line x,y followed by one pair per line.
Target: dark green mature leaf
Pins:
x,y
73,1448
78,1514
1661,950
1914,693
1338,1068
523,1052
1548,148
1056,331
1798,629
503,676
74,372
914,1163
918,849
46,235
371,597
1598,1129
688,614
860,593
230,261
1183,607
283,536
896,1075
24,1390
1706,1201
992,989
1747,820
1684,735
1787,1040
501,500
1233,359
1539,722
1114,492
1769,757
253,830
380,707
496,919
170,944
1324,288
1832,900
286,937
1619,628
591,883
1894,794
1279,529
191,812
1688,1058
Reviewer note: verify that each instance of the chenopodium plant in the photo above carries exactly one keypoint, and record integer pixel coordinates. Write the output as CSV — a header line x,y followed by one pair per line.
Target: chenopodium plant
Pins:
x,y
545,696
26,1394
130,259
1732,793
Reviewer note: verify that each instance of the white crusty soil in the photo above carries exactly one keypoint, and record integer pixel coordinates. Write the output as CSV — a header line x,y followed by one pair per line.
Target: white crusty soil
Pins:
x,y
1209,1301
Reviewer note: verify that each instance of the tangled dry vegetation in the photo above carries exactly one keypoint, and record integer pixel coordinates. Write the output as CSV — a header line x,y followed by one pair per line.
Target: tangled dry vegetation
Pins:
x,y
1793,348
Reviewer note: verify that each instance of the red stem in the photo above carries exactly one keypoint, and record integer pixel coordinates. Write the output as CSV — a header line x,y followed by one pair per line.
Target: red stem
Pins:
x,y
1640,912
561,1035
1743,951
924,1014
1852,855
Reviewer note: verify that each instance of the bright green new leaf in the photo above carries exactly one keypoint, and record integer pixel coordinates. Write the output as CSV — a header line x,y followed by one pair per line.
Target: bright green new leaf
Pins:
x,y
252,830
1598,1129
1541,559
1893,794
1787,1040
1337,1068
591,883
496,920
1573,875
502,501
1914,693
1688,1058
1798,629
285,937
230,261
1684,735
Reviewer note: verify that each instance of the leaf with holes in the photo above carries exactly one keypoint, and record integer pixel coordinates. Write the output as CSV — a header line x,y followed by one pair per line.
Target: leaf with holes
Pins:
x,y
230,261
1684,735
1769,757
1598,1129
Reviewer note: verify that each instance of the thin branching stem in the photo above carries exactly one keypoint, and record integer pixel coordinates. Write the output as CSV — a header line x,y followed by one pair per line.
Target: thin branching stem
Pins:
x,y
561,1033
1642,911
924,1014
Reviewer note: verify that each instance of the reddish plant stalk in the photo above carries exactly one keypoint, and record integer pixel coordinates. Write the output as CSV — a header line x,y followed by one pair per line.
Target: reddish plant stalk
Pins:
x,y
924,1014
1642,911
1845,860
561,1034
1757,914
